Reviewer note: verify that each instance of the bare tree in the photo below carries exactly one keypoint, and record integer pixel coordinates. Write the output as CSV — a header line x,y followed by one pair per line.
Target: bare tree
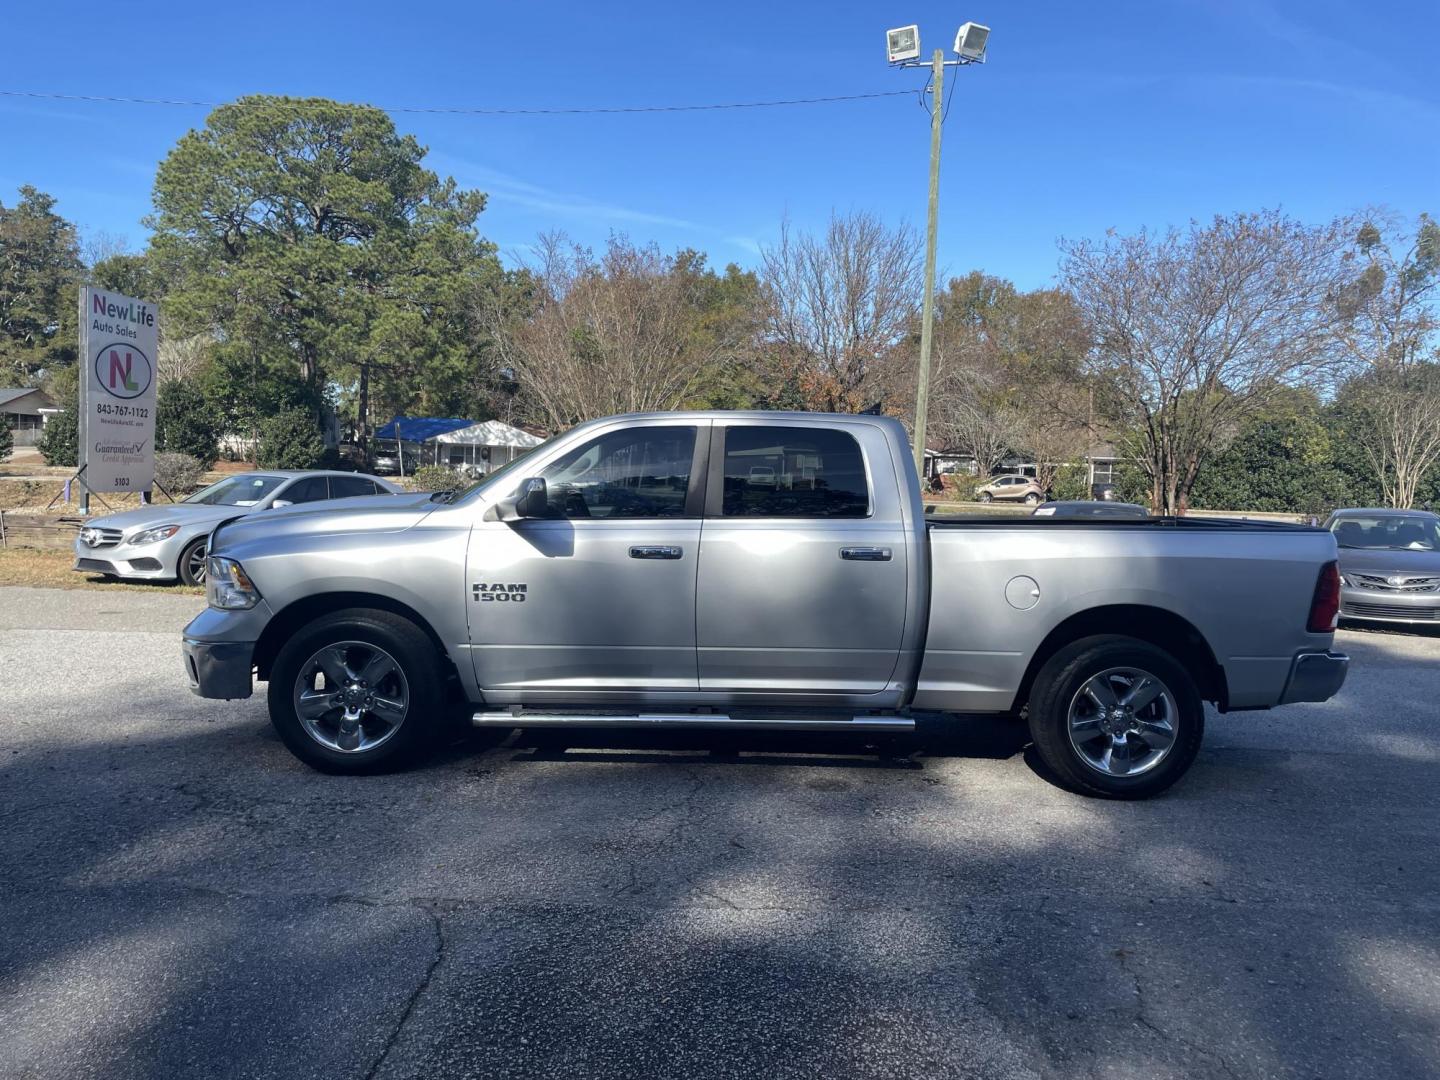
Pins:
x,y
1194,330
1395,420
1392,326
182,358
838,304
1390,307
622,333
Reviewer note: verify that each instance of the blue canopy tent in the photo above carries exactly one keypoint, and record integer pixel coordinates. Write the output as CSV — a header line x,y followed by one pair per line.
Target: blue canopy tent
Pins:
x,y
410,434
473,448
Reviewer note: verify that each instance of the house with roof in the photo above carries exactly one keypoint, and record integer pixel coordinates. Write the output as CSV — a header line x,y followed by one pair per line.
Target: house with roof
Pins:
x,y
472,447
25,409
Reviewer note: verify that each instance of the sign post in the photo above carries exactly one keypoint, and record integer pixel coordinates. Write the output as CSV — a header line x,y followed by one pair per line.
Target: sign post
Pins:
x,y
118,343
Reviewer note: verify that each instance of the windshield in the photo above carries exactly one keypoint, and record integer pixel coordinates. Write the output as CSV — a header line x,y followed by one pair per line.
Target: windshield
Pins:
x,y
1400,532
244,490
489,478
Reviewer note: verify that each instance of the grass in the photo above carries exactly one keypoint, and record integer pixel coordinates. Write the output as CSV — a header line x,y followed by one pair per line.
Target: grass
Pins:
x,y
44,569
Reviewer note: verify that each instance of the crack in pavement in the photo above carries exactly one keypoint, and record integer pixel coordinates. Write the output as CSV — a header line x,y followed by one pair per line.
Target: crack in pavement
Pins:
x,y
1142,1018
414,998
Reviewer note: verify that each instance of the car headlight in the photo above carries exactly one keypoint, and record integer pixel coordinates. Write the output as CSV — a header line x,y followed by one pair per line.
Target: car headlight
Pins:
x,y
159,532
227,586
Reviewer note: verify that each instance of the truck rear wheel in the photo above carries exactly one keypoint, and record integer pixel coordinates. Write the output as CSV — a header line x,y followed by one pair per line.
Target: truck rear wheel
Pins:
x,y
1116,717
357,691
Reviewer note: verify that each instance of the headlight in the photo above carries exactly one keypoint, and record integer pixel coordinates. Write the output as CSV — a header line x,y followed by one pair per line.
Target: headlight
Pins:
x,y
227,586
159,532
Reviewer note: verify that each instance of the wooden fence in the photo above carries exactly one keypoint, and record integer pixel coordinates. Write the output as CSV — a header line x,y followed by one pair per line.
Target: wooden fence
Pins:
x,y
56,532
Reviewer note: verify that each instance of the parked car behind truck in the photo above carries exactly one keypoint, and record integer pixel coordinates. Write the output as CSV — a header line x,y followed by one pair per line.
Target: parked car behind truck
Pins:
x,y
767,570
169,541
1390,564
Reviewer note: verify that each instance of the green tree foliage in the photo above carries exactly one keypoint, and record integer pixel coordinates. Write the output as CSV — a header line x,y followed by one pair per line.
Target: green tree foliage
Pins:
x,y
60,441
306,237
1282,461
39,270
185,423
7,440
291,440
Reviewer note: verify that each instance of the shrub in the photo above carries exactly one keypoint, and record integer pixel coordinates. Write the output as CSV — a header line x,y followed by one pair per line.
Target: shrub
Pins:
x,y
960,486
7,440
437,478
186,424
1071,482
291,440
178,474
60,442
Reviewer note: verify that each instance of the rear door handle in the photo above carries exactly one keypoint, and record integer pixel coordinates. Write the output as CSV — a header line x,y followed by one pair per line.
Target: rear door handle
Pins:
x,y
655,551
865,554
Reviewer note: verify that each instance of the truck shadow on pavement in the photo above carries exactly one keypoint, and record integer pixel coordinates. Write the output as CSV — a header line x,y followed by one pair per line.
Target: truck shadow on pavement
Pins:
x,y
184,899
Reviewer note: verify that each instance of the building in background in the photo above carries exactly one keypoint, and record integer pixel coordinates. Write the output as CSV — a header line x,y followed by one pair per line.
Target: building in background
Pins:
x,y
469,446
25,410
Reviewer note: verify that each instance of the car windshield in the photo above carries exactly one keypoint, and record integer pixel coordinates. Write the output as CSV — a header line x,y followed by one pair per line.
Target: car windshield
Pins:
x,y
245,490
1397,532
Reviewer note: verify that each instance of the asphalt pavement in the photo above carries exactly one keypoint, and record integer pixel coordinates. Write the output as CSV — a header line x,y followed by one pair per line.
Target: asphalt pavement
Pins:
x,y
179,897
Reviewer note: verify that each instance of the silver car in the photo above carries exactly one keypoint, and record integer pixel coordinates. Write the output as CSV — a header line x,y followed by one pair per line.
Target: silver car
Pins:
x,y
1389,565
168,541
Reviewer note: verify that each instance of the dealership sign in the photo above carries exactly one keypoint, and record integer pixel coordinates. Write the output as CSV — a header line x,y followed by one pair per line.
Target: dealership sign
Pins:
x,y
118,343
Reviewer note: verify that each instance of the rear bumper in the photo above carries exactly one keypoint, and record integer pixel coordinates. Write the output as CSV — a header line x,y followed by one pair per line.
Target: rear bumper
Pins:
x,y
1315,677
220,669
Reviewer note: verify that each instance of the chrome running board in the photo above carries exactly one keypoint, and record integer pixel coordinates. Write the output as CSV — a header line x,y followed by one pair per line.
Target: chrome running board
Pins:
x,y
525,718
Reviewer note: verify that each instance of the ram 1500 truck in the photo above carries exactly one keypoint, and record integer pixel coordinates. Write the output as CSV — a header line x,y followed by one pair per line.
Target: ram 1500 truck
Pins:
x,y
775,570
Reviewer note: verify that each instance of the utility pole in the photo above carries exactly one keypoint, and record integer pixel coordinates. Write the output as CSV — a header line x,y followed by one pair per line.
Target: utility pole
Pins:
x,y
932,228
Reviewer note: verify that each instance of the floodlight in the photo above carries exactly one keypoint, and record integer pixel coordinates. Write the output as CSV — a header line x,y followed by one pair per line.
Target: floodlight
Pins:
x,y
970,41
903,43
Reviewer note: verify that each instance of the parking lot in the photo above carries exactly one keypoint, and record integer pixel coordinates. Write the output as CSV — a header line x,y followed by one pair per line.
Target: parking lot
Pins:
x,y
180,897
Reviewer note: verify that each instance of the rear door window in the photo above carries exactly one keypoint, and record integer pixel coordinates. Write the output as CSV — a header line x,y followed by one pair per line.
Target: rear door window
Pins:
x,y
348,487
305,490
793,472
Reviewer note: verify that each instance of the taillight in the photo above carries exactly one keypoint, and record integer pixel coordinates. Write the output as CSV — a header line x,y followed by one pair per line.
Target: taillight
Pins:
x,y
1325,604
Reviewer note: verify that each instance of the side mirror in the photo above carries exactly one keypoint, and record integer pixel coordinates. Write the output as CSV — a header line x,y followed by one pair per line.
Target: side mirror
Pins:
x,y
530,501
280,504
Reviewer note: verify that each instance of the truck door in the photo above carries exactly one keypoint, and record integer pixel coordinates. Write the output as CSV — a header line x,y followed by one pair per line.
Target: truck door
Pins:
x,y
803,560
597,600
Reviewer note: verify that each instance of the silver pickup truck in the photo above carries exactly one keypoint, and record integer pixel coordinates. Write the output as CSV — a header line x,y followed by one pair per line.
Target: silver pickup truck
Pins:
x,y
774,570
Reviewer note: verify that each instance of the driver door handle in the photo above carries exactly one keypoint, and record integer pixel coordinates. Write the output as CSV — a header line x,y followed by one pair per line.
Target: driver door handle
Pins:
x,y
655,551
865,554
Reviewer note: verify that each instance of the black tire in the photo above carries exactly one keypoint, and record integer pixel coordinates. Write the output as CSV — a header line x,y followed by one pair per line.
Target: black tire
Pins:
x,y
1032,499
1059,683
986,497
427,716
185,569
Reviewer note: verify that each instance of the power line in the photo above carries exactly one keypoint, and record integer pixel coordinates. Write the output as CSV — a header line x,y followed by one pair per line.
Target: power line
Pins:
x,y
465,110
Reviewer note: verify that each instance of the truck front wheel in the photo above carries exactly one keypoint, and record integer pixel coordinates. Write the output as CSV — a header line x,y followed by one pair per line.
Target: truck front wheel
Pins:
x,y
357,691
1116,717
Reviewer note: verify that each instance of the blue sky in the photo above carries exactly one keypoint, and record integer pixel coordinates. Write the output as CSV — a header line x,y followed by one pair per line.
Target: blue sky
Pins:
x,y
1086,117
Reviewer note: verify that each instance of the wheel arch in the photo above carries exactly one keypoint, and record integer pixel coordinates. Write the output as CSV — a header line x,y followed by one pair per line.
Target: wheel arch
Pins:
x,y
1165,629
306,610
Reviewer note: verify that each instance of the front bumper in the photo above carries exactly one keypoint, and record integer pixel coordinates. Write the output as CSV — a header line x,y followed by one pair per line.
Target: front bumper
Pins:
x,y
136,562
1390,605
220,669
1315,677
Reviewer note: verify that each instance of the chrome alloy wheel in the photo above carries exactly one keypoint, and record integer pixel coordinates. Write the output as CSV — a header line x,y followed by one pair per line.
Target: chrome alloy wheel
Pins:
x,y
351,696
195,563
1122,721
